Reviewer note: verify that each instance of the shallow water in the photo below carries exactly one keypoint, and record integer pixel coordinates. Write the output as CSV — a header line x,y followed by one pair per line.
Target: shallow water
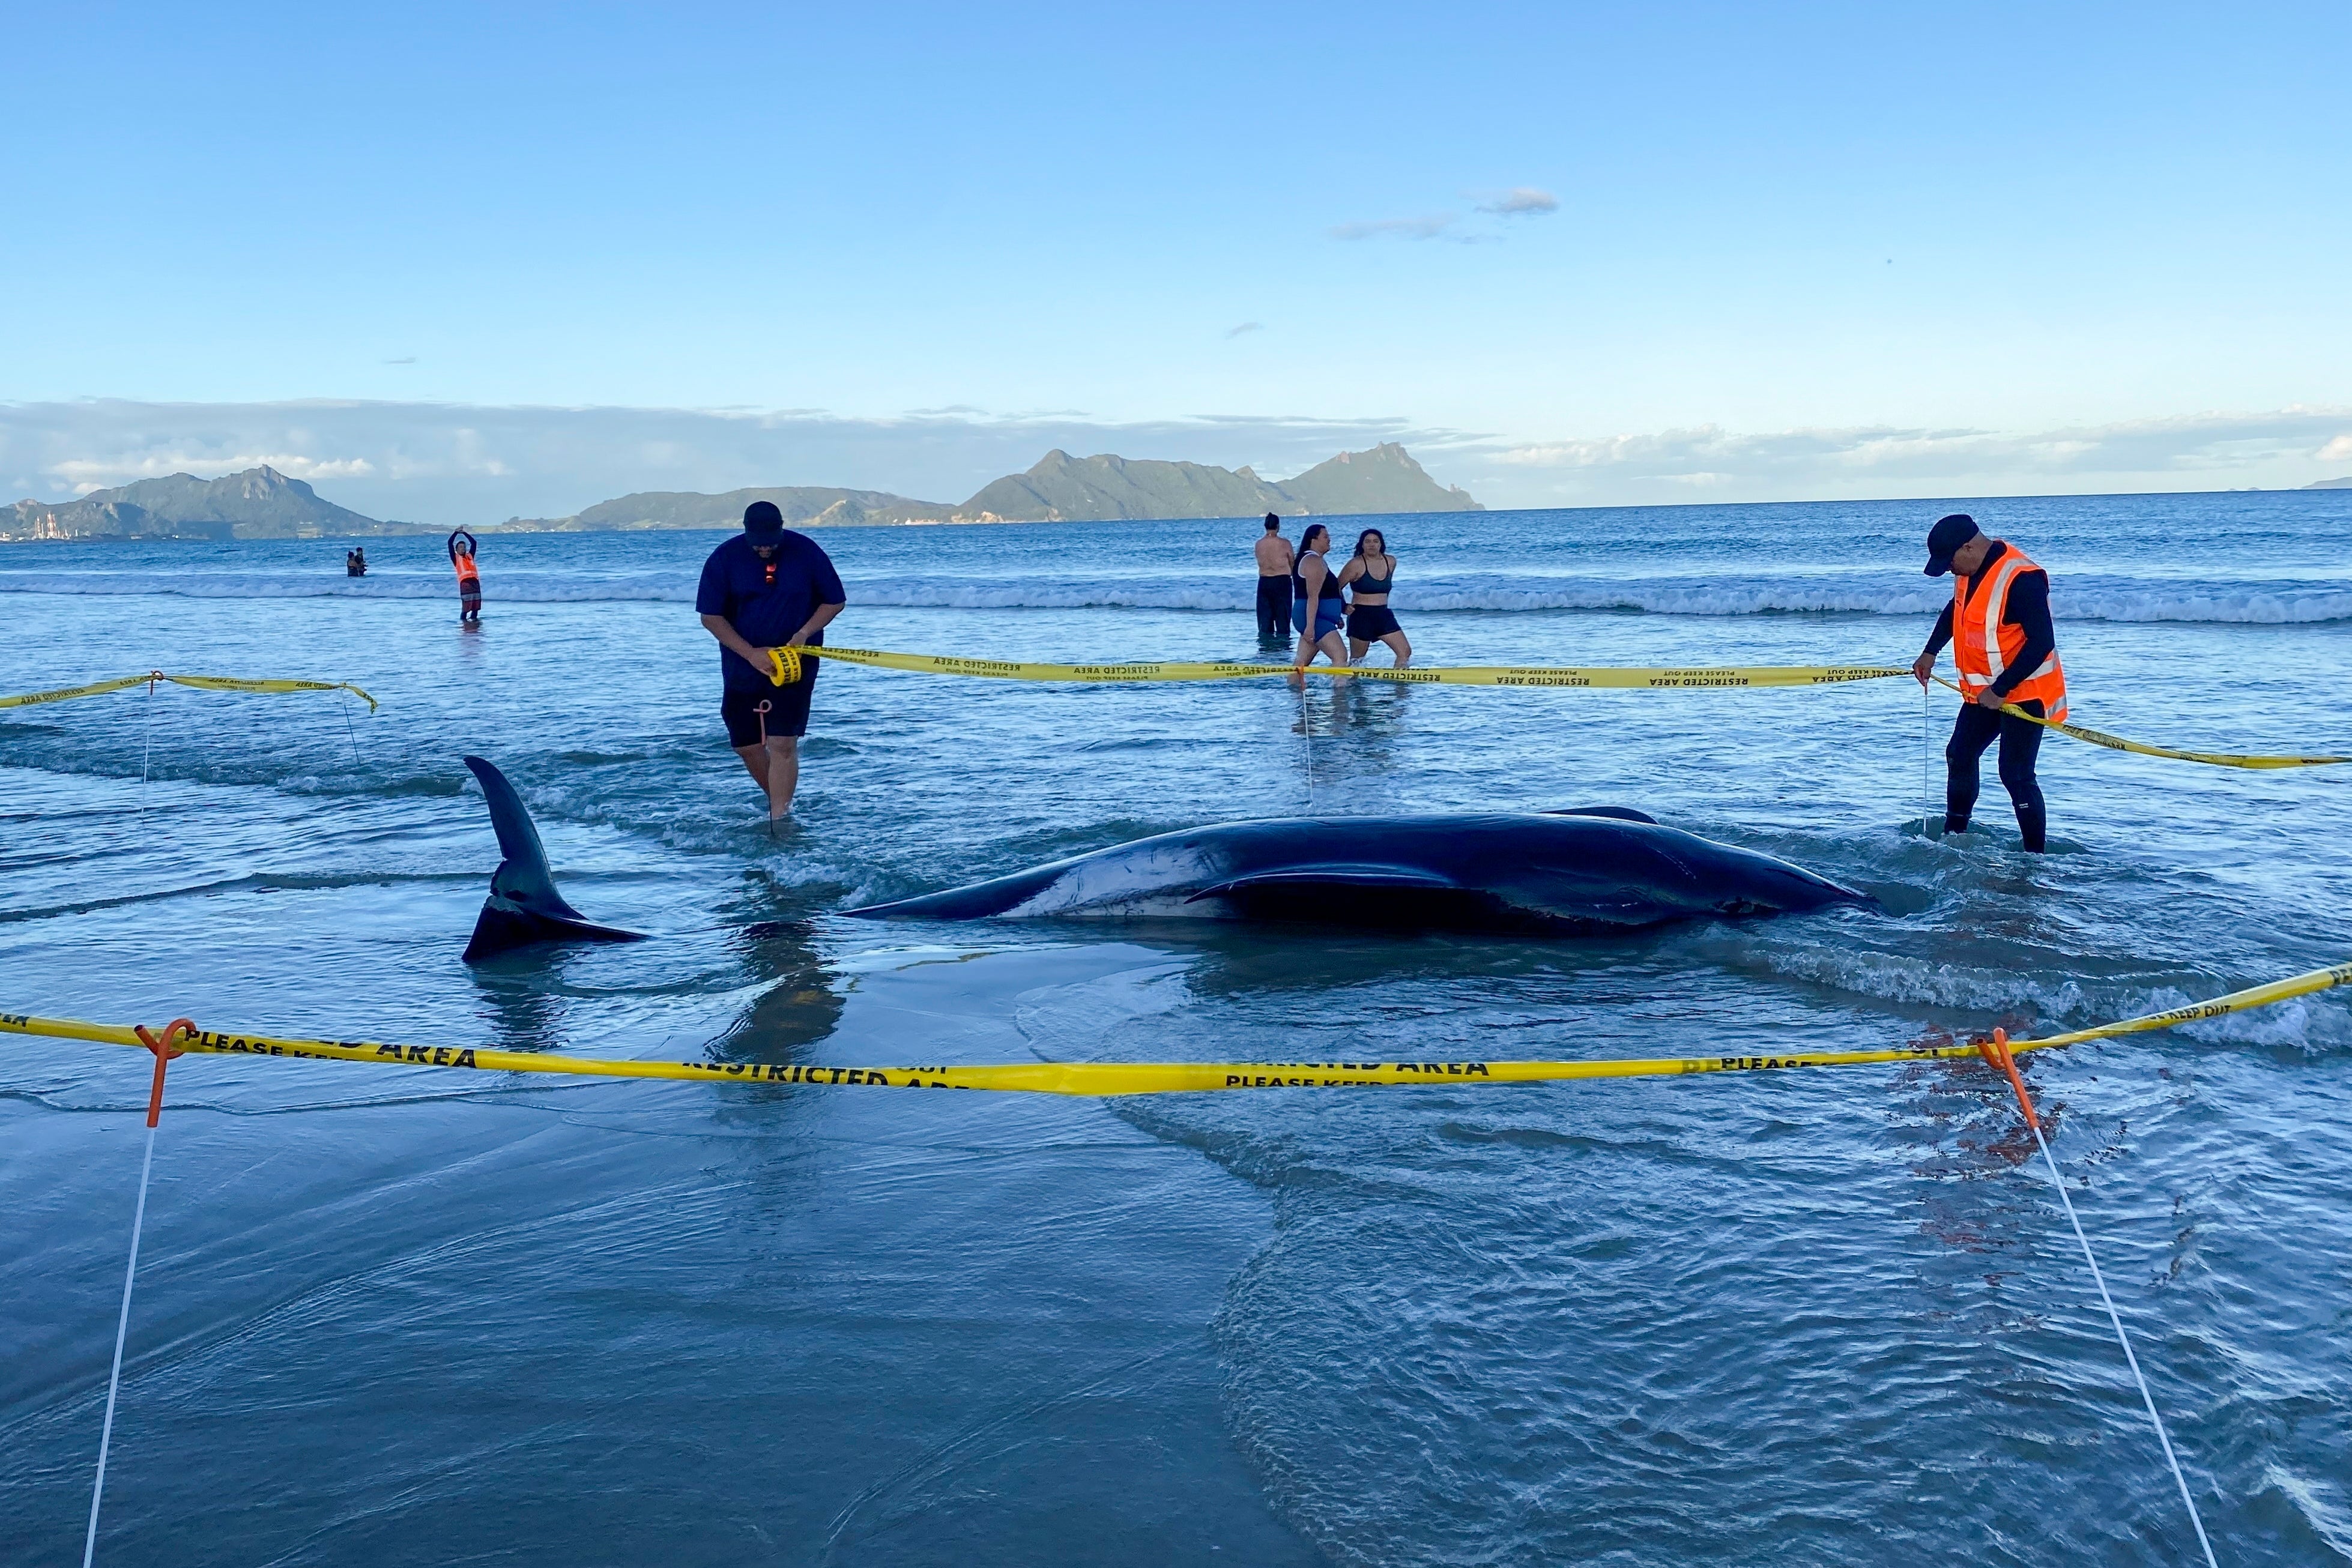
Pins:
x,y
387,1316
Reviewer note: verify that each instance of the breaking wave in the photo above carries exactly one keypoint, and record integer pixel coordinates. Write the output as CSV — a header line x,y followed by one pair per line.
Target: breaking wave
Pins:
x,y
2269,602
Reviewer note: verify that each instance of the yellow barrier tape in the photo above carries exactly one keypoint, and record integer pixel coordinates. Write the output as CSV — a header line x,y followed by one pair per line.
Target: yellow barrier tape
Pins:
x,y
201,683
1109,1078
786,667
2117,743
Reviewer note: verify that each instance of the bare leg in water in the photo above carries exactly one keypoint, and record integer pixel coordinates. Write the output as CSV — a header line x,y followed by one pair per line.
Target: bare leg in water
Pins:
x,y
776,768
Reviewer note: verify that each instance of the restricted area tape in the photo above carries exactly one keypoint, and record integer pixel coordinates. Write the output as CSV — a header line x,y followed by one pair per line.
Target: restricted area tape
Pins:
x,y
2117,743
1107,1078
786,662
201,683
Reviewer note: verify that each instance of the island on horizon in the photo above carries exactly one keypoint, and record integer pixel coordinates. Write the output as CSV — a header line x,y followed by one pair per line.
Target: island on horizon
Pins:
x,y
263,504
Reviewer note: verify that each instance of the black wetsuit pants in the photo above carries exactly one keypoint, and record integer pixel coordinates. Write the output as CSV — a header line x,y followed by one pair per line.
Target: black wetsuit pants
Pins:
x,y
1273,607
2020,743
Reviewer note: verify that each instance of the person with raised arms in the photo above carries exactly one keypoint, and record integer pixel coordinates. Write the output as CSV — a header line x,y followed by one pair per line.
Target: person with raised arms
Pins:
x,y
767,588
470,576
2006,650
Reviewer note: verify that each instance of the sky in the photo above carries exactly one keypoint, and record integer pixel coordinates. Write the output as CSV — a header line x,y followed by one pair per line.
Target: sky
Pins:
x,y
459,262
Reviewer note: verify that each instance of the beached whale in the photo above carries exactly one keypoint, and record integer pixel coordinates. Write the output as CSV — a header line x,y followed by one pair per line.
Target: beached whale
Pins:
x,y
1588,872
523,906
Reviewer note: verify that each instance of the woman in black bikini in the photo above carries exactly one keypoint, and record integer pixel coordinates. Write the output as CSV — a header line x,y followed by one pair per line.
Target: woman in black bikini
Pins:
x,y
1368,577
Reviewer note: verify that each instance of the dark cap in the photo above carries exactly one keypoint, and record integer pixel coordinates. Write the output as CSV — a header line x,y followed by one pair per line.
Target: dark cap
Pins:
x,y
1272,521
1949,534
762,523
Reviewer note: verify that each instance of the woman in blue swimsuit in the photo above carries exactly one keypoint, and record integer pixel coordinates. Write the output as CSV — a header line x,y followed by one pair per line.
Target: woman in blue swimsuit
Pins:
x,y
1368,578
1317,608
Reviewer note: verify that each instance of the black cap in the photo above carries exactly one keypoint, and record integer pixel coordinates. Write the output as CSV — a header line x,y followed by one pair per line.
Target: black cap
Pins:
x,y
1272,521
762,523
1949,534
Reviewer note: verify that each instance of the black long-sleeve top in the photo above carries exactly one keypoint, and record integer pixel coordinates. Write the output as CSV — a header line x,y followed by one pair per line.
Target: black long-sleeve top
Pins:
x,y
2028,608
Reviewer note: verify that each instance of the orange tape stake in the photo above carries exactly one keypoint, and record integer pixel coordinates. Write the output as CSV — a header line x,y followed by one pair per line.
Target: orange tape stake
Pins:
x,y
165,1049
1995,1051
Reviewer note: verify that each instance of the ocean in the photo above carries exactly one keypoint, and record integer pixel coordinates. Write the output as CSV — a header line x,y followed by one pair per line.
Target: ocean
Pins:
x,y
394,1315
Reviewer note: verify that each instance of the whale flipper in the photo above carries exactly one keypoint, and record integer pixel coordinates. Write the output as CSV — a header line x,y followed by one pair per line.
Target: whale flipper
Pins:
x,y
523,906
1335,875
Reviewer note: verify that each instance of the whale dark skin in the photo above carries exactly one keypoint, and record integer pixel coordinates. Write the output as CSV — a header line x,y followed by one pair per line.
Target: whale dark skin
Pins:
x,y
524,907
1599,871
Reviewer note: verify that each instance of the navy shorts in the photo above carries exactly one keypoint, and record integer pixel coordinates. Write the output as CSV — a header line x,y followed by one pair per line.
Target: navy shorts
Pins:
x,y
1328,615
1371,623
788,709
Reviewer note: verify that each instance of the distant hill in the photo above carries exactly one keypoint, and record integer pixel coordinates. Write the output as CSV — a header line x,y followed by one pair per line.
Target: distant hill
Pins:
x,y
803,505
259,504
263,504
1061,489
2329,485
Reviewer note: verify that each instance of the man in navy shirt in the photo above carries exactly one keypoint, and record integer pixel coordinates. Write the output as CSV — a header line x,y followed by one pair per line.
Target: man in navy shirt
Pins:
x,y
767,588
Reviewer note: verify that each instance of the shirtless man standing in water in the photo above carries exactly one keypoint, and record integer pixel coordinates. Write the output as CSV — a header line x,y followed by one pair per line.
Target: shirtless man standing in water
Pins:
x,y
1274,562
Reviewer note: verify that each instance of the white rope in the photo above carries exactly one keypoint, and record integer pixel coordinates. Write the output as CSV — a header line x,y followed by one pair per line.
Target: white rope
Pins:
x,y
121,1330
2123,1339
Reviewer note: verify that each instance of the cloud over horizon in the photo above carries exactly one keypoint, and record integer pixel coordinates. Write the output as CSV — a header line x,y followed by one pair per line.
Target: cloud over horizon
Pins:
x,y
2194,452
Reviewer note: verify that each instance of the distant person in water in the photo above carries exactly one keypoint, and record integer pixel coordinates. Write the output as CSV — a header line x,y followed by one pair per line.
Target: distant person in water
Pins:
x,y
1314,592
470,576
1274,563
1367,578
2006,650
767,588
355,563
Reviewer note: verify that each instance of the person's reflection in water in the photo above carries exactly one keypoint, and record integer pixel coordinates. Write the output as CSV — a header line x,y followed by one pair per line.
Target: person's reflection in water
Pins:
x,y
796,1008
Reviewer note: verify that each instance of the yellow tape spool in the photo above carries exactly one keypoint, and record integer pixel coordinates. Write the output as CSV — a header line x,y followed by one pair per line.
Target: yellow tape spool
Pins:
x,y
1111,1078
200,683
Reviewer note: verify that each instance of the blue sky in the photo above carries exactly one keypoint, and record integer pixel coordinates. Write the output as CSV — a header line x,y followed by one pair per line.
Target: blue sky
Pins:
x,y
1761,252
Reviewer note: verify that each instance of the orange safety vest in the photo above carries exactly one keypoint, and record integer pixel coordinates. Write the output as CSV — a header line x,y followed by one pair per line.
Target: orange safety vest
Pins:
x,y
1984,643
470,576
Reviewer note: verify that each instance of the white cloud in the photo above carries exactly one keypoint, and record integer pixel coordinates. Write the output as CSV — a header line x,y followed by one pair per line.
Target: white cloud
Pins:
x,y
1428,227
85,474
2192,452
1521,201
2336,450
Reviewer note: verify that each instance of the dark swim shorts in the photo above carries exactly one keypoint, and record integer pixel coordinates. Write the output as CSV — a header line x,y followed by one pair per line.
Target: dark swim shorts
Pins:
x,y
1371,623
1327,613
788,709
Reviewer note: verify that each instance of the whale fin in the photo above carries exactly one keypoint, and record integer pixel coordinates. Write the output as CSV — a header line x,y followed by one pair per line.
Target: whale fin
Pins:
x,y
1622,813
523,906
1328,875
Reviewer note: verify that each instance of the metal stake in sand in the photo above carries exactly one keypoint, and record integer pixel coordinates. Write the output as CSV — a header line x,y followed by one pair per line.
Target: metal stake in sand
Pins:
x,y
165,1049
1996,1050
1926,759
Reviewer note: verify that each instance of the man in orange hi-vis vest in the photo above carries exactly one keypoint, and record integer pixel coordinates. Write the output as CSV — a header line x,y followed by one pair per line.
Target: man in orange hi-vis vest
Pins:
x,y
1999,626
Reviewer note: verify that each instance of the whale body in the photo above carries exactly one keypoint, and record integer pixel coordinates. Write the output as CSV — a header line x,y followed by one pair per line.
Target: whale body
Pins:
x,y
1595,870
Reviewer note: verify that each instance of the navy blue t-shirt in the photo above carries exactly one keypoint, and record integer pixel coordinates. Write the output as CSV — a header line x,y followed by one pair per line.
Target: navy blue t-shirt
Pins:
x,y
735,584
